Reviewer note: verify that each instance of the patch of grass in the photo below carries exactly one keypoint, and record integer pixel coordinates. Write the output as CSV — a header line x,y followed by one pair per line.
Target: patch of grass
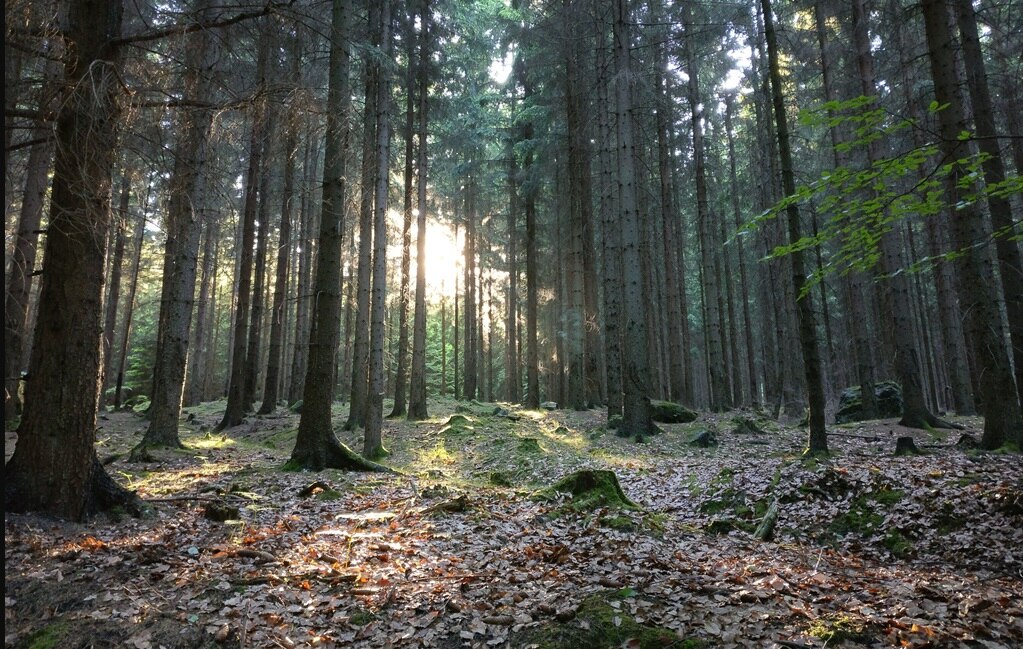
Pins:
x,y
837,627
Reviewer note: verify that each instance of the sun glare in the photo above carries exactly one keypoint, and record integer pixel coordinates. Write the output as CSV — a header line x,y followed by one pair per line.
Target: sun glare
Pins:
x,y
443,257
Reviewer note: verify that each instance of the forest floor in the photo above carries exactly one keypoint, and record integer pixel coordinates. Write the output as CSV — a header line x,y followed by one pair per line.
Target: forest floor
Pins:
x,y
870,549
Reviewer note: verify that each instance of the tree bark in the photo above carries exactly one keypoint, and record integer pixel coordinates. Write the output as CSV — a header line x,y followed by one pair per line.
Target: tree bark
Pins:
x,y
818,441
612,236
373,447
417,386
316,446
1003,420
1008,227
636,420
54,468
184,228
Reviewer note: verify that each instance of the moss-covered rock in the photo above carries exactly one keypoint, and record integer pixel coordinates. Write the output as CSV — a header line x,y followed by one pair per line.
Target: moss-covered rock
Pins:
x,y
888,395
743,425
669,412
590,489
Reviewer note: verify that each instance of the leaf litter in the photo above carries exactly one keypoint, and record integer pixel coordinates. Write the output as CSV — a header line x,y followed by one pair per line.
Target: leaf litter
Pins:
x,y
870,550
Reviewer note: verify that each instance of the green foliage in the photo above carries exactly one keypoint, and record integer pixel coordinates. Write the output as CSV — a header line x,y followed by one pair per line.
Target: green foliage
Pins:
x,y
861,203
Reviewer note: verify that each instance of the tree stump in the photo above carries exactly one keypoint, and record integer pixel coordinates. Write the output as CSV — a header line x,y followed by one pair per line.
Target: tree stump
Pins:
x,y
906,446
589,488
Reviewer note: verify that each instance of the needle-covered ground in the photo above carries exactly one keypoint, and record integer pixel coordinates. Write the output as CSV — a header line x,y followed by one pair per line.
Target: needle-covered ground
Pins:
x,y
470,547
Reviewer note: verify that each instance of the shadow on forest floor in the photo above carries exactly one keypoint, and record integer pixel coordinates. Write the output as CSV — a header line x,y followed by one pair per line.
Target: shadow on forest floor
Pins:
x,y
869,549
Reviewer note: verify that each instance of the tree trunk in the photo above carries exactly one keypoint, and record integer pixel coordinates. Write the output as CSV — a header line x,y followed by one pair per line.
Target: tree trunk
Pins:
x,y
114,290
184,228
612,236
275,358
54,468
360,350
529,207
303,298
316,446
234,412
636,420
19,280
373,447
1007,226
417,409
512,378
1003,421
253,354
740,258
199,354
470,353
401,374
579,200
915,413
719,398
818,441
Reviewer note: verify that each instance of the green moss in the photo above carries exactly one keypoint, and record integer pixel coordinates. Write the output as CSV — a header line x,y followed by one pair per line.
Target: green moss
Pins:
x,y
49,637
619,522
530,445
862,517
607,628
668,412
590,489
898,544
500,479
887,496
837,628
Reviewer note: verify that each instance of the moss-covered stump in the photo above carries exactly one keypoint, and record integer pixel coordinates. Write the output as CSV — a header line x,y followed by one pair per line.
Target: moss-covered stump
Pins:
x,y
704,439
530,445
614,421
595,624
746,426
590,489
669,412
906,446
457,425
